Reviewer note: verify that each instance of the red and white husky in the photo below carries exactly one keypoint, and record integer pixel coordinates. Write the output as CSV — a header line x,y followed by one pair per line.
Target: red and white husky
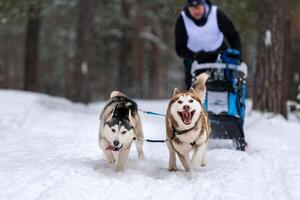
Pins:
x,y
187,125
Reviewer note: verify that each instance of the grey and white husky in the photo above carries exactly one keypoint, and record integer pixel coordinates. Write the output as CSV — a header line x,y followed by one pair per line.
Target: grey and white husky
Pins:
x,y
120,126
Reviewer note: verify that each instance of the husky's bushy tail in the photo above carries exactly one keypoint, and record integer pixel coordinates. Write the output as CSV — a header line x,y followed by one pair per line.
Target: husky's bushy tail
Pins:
x,y
200,86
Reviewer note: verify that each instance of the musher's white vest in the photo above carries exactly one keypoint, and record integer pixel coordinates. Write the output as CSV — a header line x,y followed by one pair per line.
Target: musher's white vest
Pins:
x,y
203,38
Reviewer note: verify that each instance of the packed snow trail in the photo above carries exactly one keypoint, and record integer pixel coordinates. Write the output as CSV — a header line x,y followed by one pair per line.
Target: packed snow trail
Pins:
x,y
49,150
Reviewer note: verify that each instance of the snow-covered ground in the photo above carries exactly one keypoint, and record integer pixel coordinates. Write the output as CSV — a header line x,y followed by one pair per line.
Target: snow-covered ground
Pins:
x,y
48,150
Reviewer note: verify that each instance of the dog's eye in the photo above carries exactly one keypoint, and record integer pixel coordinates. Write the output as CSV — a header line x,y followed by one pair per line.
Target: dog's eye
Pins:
x,y
191,101
123,132
113,130
180,102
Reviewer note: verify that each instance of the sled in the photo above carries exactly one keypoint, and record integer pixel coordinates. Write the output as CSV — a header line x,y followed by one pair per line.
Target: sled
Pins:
x,y
226,96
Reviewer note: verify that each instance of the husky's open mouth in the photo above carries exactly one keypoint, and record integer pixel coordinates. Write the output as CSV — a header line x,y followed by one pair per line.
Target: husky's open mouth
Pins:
x,y
113,148
186,116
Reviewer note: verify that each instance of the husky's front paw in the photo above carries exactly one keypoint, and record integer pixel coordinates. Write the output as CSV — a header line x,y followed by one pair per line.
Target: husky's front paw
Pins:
x,y
204,162
110,160
141,156
172,168
119,170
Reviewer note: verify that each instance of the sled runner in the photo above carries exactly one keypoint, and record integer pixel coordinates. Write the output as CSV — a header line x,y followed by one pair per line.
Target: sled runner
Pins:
x,y
226,95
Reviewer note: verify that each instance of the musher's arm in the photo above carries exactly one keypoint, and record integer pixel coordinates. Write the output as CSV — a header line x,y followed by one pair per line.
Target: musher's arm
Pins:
x,y
230,32
181,39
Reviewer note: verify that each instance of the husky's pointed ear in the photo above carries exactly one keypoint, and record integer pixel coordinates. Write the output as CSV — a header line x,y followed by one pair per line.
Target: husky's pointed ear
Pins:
x,y
131,118
110,116
192,91
176,91
116,93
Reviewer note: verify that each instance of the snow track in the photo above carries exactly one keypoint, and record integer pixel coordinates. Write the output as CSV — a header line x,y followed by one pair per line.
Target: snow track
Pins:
x,y
49,151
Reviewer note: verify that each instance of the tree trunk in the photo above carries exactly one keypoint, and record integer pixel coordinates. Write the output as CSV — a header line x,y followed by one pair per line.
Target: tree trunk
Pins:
x,y
155,87
270,78
125,49
66,58
139,51
6,67
84,30
67,75
109,82
32,48
294,72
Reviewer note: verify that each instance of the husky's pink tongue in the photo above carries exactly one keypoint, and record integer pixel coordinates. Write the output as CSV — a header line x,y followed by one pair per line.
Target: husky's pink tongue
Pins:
x,y
186,116
110,147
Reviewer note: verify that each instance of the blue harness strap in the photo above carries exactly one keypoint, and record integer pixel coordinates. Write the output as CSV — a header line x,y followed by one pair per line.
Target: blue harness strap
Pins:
x,y
151,113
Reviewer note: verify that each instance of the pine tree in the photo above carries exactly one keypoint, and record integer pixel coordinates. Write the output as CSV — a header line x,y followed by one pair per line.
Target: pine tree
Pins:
x,y
270,78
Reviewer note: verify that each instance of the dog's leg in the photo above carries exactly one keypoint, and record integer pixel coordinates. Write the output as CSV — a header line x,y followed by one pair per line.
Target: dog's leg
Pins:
x,y
186,161
199,156
204,160
139,147
123,155
139,139
103,143
172,158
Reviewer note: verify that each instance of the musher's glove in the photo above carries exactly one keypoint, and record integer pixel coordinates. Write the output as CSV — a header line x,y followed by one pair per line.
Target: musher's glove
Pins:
x,y
200,55
206,57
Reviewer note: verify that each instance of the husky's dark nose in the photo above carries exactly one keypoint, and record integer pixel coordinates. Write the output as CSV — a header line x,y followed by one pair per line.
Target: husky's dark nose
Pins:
x,y
186,107
116,143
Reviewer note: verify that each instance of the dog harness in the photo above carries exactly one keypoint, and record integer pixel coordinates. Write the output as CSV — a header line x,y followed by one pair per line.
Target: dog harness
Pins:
x,y
176,132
